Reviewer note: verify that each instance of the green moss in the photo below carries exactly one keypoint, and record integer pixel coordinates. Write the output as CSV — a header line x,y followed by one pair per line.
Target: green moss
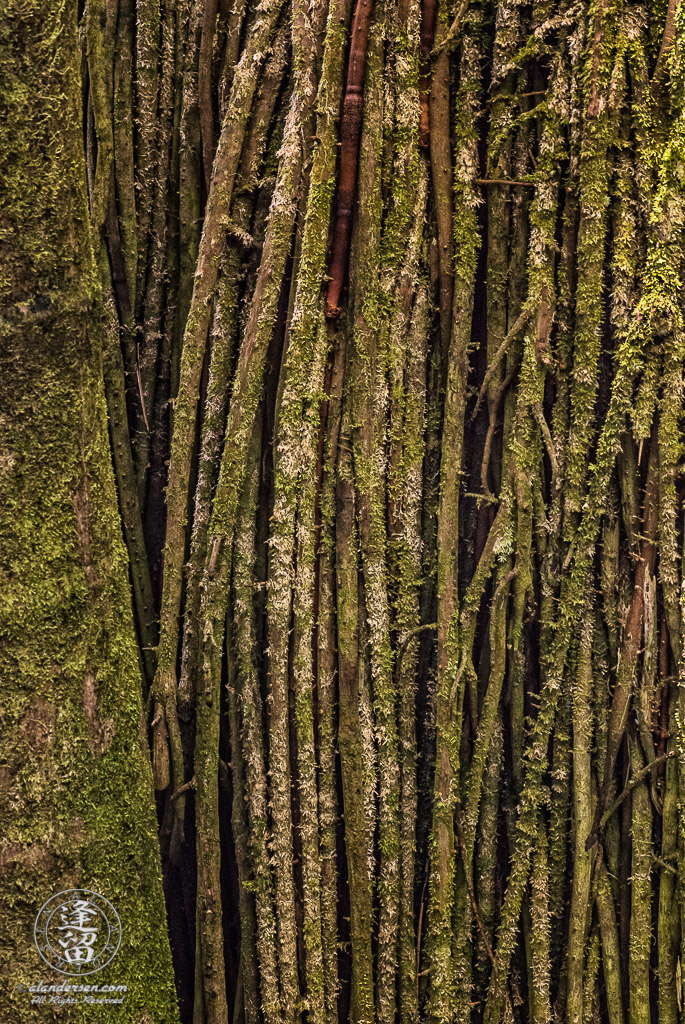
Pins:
x,y
76,783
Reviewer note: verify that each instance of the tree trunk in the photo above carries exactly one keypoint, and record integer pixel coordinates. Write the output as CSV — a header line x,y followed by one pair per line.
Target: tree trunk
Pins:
x,y
77,799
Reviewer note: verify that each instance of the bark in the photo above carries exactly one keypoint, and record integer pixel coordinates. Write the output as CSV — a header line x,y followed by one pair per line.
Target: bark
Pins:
x,y
77,775
392,338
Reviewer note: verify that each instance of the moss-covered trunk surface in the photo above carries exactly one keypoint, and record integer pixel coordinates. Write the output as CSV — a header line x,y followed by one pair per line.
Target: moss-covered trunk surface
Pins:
x,y
76,785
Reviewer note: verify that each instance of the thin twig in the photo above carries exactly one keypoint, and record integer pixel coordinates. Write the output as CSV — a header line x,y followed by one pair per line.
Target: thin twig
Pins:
x,y
506,181
518,326
407,640
184,788
549,444
453,29
630,786
469,886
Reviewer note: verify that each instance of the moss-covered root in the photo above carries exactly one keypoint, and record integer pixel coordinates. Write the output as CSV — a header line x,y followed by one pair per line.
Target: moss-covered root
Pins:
x,y
100,24
641,898
251,747
350,739
369,398
668,922
611,956
292,552
194,344
448,723
210,975
77,798
247,989
224,331
582,815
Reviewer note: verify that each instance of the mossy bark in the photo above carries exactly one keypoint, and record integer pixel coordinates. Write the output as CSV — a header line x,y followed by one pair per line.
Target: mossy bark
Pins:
x,y
396,288
77,774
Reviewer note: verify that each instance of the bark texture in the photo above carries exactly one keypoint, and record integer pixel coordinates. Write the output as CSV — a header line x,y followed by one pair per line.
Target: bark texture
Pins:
x,y
77,795
394,367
